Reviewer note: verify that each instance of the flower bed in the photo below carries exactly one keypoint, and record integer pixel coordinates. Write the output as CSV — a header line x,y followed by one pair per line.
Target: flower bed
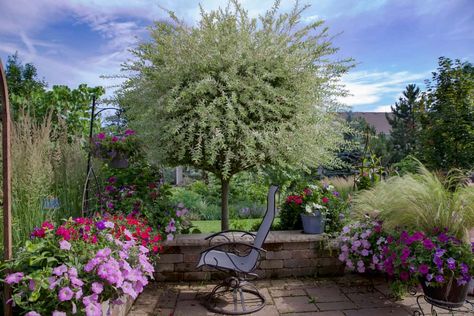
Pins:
x,y
77,266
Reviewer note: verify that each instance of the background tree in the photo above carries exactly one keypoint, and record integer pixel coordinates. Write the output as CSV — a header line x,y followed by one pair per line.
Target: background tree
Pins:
x,y
447,136
236,93
29,94
404,123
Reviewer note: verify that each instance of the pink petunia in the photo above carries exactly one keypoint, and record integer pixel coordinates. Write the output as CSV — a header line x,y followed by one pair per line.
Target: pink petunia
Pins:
x,y
58,313
14,278
64,245
32,313
97,287
65,294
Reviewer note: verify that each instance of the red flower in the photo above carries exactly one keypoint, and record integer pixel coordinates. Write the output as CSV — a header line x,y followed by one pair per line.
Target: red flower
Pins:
x,y
325,200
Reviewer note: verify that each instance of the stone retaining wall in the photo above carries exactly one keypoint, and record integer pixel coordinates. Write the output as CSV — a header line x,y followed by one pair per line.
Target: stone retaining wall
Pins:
x,y
289,254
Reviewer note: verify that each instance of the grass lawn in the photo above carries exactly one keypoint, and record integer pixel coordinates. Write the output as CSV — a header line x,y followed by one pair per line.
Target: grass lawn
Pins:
x,y
215,226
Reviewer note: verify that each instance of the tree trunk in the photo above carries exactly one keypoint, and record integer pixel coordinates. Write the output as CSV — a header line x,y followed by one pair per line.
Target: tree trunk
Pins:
x,y
225,203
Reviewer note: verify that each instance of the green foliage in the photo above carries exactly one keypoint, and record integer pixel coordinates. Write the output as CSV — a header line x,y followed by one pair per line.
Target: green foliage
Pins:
x,y
409,164
447,135
404,121
310,199
234,92
109,146
28,94
419,202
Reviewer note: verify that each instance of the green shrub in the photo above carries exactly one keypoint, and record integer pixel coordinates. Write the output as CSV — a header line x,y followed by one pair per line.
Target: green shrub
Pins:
x,y
421,201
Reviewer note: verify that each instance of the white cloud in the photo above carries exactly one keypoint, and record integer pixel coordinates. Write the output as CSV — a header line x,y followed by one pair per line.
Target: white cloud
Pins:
x,y
368,88
383,108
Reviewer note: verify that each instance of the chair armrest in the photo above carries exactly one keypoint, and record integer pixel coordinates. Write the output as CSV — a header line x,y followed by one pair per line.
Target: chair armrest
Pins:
x,y
236,243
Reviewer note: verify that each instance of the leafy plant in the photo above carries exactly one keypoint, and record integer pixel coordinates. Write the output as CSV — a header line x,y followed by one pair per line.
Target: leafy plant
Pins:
x,y
313,198
420,202
237,93
76,266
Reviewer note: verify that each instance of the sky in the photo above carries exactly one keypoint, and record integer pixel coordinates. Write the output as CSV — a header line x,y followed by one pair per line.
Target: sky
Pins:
x,y
394,42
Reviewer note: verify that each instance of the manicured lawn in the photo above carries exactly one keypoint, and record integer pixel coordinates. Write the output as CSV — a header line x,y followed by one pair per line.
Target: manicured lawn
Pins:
x,y
215,226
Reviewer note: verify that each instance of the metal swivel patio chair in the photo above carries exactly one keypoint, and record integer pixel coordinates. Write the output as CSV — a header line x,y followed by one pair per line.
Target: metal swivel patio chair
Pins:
x,y
240,260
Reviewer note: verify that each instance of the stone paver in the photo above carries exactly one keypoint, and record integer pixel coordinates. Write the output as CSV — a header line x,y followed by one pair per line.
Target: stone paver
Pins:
x,y
351,295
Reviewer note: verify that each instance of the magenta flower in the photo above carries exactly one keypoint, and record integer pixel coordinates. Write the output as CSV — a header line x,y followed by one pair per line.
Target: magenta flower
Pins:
x,y
428,244
423,269
439,278
129,132
114,139
100,136
65,294
14,278
64,245
32,313
112,179
404,276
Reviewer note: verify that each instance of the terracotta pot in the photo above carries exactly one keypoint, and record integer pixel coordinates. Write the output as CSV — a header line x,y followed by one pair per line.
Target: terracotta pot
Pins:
x,y
450,295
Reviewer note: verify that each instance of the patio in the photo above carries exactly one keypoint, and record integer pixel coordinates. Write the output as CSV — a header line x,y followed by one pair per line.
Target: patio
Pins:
x,y
350,295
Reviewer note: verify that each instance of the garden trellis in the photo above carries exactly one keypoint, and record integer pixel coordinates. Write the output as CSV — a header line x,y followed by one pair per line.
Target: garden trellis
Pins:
x,y
7,194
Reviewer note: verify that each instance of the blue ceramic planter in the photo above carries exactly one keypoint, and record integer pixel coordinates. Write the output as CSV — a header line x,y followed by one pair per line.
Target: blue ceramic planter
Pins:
x,y
312,224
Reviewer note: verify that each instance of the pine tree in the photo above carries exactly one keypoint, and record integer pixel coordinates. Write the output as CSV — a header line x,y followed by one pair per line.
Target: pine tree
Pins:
x,y
404,123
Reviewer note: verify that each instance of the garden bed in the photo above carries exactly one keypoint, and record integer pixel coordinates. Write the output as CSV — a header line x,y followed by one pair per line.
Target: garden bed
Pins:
x,y
289,254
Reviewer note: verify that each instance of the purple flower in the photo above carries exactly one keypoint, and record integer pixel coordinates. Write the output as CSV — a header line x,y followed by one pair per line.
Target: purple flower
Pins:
x,y
32,285
440,252
100,225
451,263
58,313
114,139
439,278
428,244
65,294
464,268
128,289
59,271
112,179
423,269
64,245
93,309
97,287
32,313
14,278
109,188
101,136
443,238
438,261
364,252
429,277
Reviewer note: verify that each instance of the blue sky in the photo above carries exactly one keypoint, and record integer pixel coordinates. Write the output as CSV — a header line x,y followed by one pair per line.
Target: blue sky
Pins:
x,y
394,42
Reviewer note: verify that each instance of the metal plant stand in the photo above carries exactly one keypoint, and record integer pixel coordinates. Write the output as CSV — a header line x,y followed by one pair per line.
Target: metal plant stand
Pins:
x,y
467,308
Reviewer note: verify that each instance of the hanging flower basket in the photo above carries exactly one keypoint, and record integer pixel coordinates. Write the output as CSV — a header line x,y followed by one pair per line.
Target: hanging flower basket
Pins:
x,y
116,150
449,295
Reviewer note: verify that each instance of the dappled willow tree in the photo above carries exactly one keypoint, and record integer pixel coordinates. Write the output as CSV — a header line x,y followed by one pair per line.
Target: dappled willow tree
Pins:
x,y
236,93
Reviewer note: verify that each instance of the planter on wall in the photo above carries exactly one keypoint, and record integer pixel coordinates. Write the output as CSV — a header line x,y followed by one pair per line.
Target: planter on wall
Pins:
x,y
312,224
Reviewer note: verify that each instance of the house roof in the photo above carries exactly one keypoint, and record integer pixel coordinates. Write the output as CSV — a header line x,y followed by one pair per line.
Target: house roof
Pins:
x,y
377,119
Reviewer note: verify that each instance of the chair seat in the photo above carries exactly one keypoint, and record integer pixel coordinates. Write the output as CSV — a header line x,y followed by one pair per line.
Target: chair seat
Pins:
x,y
227,260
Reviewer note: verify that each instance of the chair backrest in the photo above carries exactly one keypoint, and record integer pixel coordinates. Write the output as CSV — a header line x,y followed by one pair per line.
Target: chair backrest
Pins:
x,y
268,218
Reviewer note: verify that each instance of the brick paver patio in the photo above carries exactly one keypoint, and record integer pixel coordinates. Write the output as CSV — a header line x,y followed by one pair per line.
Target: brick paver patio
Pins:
x,y
351,295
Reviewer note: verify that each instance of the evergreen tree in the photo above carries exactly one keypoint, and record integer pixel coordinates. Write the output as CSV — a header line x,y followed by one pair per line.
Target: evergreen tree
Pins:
x,y
447,136
404,123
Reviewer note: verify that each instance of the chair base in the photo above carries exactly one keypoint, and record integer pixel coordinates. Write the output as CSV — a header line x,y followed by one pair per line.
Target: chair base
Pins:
x,y
234,296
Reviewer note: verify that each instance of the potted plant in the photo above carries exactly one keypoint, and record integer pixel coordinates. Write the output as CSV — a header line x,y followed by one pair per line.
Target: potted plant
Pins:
x,y
82,266
440,262
313,218
315,210
429,205
115,149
